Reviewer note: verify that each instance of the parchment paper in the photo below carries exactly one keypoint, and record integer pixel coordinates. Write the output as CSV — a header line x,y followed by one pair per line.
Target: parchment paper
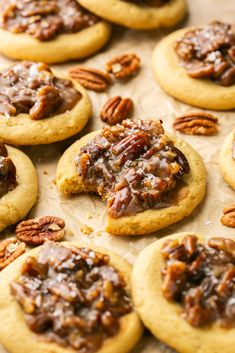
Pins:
x,y
150,102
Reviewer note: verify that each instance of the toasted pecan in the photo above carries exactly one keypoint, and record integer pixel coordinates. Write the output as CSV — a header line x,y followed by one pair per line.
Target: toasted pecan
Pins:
x,y
228,219
124,66
196,123
116,110
93,79
38,230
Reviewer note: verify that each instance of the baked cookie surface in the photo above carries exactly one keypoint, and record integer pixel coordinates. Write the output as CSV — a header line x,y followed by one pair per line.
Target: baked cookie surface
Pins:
x,y
227,160
145,221
45,32
165,318
133,15
24,340
174,79
16,203
31,116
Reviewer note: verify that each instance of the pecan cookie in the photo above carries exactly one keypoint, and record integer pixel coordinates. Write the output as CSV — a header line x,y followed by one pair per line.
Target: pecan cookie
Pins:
x,y
18,185
138,14
79,300
197,65
39,106
227,159
148,180
187,283
42,30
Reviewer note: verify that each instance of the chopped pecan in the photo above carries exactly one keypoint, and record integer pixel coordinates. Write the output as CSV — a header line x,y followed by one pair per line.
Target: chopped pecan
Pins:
x,y
38,230
173,280
190,244
48,98
116,110
124,66
196,123
7,175
3,149
228,219
223,244
93,79
225,287
201,278
10,249
208,52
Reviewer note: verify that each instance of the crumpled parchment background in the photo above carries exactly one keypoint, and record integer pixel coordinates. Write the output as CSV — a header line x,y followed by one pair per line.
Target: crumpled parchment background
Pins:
x,y
150,102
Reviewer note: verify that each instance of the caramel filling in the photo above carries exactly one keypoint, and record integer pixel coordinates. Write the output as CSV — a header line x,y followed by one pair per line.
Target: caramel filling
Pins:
x,y
72,296
209,52
44,19
201,278
134,166
31,88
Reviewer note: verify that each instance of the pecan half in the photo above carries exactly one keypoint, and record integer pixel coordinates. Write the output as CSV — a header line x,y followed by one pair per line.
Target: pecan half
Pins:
x,y
196,123
124,66
36,231
228,219
10,249
93,79
116,110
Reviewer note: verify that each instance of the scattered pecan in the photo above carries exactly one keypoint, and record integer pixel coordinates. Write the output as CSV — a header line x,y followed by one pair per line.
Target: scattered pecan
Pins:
x,y
93,79
124,66
36,231
116,110
10,249
228,219
196,123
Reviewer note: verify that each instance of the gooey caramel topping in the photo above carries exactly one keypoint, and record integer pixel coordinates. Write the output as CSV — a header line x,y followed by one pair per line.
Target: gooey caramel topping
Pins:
x,y
133,166
72,296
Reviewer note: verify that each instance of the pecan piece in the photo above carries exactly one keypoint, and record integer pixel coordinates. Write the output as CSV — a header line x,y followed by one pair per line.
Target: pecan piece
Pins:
x,y
196,123
93,79
10,249
3,150
228,219
48,98
223,244
131,146
38,230
124,66
116,109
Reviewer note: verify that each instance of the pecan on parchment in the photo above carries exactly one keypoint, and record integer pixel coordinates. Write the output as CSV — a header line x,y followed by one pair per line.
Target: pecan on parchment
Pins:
x,y
124,66
93,79
228,219
36,231
116,110
10,249
196,123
